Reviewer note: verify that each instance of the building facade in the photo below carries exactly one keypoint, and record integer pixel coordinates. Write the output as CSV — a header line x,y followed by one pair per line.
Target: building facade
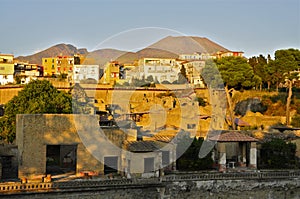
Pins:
x,y
6,69
58,65
112,72
83,73
76,143
27,72
160,69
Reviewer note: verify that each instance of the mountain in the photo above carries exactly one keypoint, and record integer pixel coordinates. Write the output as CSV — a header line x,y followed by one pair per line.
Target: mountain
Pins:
x,y
172,47
102,56
168,47
130,57
187,45
64,49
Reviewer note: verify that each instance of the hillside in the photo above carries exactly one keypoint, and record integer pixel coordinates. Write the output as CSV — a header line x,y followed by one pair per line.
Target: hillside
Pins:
x,y
187,44
102,56
64,49
130,57
168,47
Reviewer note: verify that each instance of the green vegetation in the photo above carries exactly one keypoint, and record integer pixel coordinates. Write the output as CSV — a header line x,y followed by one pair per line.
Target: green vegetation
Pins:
x,y
296,121
18,79
261,69
81,103
201,101
287,61
236,74
182,79
275,104
190,161
36,97
142,83
278,154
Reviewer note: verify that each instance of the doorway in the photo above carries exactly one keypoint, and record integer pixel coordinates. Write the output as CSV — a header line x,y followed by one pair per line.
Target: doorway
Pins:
x,y
110,165
61,159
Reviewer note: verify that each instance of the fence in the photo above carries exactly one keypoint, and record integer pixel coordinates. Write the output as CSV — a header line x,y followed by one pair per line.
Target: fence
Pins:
x,y
233,176
7,188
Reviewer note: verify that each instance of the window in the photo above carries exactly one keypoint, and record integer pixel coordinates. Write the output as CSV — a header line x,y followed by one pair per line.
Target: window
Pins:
x,y
148,165
52,66
45,60
52,60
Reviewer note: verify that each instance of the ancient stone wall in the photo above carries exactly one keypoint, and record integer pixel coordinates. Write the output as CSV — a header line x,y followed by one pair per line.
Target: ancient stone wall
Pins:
x,y
192,189
35,132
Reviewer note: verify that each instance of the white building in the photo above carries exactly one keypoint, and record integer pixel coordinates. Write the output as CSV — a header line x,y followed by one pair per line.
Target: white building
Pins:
x,y
159,68
197,56
193,72
85,72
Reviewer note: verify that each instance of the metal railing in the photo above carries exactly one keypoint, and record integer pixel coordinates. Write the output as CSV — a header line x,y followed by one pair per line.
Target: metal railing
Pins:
x,y
233,176
9,187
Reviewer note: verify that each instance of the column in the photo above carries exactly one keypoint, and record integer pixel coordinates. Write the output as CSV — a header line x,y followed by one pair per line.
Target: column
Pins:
x,y
173,157
222,156
244,150
253,158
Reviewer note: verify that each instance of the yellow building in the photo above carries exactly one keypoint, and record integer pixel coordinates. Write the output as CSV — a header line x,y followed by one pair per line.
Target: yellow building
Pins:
x,y
112,72
58,65
6,69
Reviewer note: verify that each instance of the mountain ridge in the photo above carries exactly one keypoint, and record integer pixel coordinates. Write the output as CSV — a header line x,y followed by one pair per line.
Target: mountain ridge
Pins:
x,y
168,47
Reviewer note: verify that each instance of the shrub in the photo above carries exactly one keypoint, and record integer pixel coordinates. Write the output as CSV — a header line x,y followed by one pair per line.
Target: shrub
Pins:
x,y
190,161
278,154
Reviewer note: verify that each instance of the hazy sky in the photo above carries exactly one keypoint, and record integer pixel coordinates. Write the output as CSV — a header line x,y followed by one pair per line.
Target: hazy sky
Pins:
x,y
253,26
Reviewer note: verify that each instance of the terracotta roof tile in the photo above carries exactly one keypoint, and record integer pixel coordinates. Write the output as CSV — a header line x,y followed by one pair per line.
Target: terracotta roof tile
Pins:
x,y
143,146
163,138
233,137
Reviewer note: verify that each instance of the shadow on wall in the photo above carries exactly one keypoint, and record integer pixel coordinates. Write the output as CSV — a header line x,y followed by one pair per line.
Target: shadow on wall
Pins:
x,y
63,143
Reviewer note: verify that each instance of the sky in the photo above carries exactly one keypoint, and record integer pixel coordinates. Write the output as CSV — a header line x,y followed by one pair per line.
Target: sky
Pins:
x,y
252,26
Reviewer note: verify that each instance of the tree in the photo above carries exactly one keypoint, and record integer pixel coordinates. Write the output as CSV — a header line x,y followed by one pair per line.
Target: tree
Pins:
x,y
288,61
36,97
235,73
259,65
182,79
211,75
150,79
80,101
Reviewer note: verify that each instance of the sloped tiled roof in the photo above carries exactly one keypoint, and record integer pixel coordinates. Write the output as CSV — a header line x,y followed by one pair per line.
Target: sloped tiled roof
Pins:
x,y
233,137
143,146
163,138
240,122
